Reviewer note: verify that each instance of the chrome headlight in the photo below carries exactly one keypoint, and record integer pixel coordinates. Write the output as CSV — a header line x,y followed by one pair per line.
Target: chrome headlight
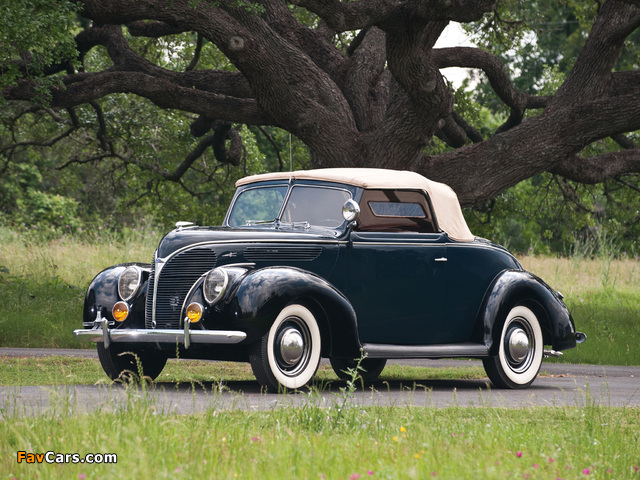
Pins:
x,y
215,285
129,282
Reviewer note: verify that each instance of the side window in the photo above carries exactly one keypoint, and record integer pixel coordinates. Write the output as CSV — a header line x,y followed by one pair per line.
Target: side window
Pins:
x,y
395,211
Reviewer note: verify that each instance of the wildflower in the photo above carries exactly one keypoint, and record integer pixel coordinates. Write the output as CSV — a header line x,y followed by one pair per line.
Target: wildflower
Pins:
x,y
355,476
586,471
369,472
255,439
402,429
535,465
519,454
82,476
417,455
178,470
551,460
395,439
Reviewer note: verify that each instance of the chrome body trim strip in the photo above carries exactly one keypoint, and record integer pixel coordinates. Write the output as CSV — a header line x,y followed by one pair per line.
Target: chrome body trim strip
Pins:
x,y
425,351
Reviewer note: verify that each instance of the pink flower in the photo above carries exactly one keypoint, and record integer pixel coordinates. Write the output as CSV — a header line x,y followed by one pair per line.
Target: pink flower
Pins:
x,y
82,476
551,460
535,465
519,454
586,471
355,476
369,472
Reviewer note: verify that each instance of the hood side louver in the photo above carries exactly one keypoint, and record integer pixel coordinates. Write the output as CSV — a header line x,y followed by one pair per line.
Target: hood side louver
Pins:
x,y
280,253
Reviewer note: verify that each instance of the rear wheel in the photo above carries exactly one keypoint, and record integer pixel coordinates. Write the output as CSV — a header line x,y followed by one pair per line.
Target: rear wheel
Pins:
x,y
370,368
288,355
121,361
520,351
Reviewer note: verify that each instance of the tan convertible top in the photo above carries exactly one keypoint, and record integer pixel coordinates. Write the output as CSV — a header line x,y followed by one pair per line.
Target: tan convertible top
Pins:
x,y
443,199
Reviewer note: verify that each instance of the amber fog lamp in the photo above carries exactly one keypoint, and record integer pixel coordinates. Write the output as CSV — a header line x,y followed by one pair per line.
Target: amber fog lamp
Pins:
x,y
194,312
120,311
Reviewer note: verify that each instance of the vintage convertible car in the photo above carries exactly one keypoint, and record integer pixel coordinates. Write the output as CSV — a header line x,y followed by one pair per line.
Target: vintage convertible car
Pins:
x,y
349,264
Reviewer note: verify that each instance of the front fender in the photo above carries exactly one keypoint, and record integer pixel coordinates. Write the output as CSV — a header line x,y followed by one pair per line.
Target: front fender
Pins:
x,y
102,294
518,287
263,293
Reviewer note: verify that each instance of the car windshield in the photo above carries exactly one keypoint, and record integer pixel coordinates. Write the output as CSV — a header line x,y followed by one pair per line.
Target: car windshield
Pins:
x,y
258,205
306,205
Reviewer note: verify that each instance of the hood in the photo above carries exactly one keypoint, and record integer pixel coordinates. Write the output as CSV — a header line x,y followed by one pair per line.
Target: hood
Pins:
x,y
181,238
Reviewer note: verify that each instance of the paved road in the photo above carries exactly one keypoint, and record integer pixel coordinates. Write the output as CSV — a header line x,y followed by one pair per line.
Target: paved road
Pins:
x,y
561,385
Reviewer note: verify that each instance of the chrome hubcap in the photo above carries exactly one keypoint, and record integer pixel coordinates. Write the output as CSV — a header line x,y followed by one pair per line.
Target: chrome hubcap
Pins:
x,y
291,346
518,345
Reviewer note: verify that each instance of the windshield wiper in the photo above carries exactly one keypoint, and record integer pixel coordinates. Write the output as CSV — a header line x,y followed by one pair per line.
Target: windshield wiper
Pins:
x,y
305,225
258,222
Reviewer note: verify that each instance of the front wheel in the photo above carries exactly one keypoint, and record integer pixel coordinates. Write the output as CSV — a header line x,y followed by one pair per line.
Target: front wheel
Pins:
x,y
520,351
288,355
120,361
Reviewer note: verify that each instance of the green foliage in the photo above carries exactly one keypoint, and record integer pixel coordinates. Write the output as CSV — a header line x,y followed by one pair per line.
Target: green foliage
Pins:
x,y
547,214
42,28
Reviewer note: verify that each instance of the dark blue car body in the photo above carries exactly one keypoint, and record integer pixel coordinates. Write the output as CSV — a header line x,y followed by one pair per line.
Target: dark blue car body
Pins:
x,y
389,283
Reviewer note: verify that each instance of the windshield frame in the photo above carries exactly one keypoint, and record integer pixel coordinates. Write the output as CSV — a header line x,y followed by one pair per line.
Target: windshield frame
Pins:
x,y
278,223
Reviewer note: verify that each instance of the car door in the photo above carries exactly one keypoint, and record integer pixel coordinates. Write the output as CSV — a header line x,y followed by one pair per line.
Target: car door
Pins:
x,y
397,286
397,270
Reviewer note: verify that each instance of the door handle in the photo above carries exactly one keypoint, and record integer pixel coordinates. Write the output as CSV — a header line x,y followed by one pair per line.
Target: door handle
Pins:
x,y
441,259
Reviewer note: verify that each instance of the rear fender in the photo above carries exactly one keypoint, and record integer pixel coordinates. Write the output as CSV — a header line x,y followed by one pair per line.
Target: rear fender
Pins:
x,y
263,293
518,287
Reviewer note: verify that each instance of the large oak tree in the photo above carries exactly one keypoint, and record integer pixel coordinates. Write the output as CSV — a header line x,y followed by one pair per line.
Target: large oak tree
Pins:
x,y
376,102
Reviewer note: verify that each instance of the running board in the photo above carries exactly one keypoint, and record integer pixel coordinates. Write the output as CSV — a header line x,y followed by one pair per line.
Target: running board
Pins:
x,y
449,350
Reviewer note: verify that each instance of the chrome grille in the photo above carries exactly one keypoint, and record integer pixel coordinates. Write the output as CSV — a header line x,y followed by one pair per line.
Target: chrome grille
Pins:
x,y
282,253
174,282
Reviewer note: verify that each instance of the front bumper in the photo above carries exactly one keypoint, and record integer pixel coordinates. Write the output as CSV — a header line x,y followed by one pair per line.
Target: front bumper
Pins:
x,y
102,333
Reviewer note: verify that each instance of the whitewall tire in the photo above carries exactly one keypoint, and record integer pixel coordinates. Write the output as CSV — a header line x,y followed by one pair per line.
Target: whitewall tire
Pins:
x,y
288,355
520,351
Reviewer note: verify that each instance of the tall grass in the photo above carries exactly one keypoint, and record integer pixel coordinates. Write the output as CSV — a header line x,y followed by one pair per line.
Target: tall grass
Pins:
x,y
308,443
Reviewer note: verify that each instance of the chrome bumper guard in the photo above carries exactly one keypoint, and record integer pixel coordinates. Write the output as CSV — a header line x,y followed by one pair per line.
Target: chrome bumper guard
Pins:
x,y
102,333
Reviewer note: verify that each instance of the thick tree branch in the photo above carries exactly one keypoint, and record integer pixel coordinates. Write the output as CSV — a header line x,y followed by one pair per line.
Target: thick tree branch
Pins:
x,y
153,29
590,77
598,169
86,87
469,57
344,16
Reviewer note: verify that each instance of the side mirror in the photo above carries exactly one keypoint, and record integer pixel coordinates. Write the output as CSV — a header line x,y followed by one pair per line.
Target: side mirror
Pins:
x,y
350,210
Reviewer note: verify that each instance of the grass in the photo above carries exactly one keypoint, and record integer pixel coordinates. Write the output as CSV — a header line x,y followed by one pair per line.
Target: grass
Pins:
x,y
62,370
315,442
